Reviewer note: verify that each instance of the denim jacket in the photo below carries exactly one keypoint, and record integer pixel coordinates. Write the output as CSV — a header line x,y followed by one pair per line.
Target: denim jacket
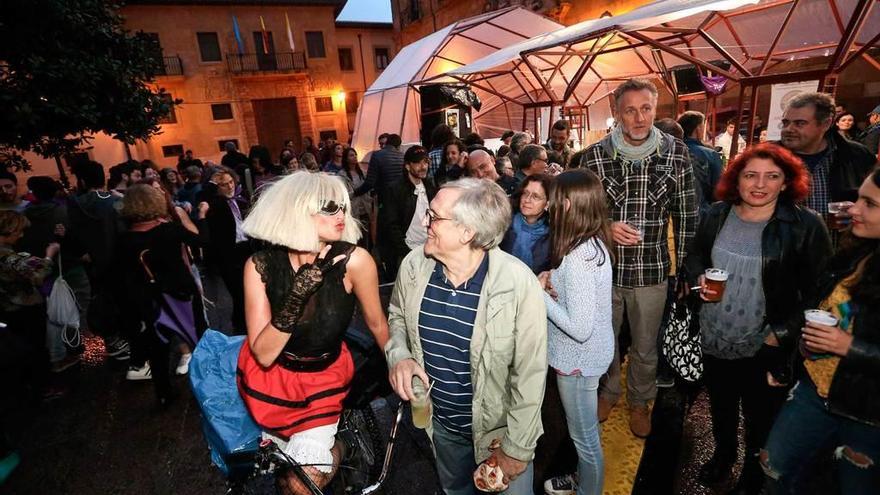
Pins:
x,y
508,349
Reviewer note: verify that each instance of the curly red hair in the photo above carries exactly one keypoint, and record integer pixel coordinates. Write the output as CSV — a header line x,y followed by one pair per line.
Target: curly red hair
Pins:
x,y
797,178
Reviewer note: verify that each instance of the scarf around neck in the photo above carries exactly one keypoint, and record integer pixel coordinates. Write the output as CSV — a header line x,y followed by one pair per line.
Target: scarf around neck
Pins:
x,y
635,153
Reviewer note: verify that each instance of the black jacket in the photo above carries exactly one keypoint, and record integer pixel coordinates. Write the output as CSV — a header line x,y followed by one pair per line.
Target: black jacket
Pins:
x,y
396,213
221,249
855,388
850,165
385,170
794,247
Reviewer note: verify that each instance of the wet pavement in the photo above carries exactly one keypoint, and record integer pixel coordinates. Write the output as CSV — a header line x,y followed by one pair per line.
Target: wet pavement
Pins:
x,y
107,436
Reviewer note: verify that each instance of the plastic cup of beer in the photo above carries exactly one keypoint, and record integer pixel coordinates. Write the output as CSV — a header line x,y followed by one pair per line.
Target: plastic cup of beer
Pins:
x,y
835,222
716,280
821,317
421,405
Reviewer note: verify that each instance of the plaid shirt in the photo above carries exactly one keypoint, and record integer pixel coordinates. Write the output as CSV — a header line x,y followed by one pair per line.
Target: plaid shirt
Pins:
x,y
820,194
656,188
435,159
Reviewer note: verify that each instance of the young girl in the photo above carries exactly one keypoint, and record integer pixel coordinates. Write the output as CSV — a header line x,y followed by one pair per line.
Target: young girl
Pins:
x,y
578,298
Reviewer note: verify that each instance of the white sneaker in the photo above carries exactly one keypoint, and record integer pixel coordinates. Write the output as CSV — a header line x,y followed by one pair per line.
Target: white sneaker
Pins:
x,y
561,485
143,373
183,364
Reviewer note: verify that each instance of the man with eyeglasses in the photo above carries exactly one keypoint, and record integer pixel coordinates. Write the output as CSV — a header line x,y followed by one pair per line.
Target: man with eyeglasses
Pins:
x,y
229,247
531,160
837,166
402,213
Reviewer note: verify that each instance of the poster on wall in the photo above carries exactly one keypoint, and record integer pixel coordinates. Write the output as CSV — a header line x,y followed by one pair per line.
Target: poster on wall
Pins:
x,y
452,121
780,95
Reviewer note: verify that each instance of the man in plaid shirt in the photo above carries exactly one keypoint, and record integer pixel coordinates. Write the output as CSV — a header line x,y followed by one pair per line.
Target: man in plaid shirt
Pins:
x,y
648,179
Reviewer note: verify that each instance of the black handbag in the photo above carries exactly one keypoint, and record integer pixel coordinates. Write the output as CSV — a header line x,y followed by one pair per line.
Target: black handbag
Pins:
x,y
681,343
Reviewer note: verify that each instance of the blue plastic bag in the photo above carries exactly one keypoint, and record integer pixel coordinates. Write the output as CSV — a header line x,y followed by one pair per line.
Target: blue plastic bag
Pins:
x,y
227,424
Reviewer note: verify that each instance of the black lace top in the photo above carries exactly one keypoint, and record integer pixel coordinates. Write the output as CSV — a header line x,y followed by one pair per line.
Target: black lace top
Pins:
x,y
328,312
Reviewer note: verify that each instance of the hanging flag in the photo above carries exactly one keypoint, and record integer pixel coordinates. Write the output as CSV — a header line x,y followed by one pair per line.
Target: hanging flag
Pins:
x,y
289,33
237,34
265,36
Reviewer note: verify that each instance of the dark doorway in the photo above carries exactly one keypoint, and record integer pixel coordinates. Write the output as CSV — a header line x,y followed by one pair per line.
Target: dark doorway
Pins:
x,y
277,121
265,61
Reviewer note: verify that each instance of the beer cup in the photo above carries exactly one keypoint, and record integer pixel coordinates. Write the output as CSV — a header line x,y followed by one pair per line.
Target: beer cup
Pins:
x,y
716,280
822,318
835,222
421,405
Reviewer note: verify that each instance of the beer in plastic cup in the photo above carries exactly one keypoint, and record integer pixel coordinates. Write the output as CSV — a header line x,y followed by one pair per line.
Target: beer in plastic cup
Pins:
x,y
835,222
716,280
822,318
421,405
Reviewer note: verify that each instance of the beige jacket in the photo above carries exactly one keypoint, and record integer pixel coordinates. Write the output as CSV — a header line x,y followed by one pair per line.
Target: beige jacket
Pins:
x,y
508,349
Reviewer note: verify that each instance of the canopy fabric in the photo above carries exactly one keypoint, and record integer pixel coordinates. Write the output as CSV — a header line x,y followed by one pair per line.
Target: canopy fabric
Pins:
x,y
580,64
391,104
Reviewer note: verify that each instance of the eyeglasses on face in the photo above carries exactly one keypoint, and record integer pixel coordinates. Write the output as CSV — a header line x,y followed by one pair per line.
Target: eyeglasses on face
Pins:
x,y
432,217
330,208
533,196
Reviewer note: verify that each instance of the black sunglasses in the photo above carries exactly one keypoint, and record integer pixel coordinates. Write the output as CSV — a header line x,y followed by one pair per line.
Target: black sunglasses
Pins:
x,y
330,208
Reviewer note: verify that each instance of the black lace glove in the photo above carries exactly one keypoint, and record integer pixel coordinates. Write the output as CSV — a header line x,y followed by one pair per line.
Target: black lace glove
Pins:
x,y
307,281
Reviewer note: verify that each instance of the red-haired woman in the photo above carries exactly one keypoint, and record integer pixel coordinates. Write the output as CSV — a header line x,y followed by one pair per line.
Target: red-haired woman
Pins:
x,y
772,250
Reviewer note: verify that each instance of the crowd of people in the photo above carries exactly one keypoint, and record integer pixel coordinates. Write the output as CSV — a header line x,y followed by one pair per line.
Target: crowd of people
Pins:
x,y
513,270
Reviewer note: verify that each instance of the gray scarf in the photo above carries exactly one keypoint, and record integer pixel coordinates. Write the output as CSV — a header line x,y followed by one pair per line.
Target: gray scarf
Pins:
x,y
632,153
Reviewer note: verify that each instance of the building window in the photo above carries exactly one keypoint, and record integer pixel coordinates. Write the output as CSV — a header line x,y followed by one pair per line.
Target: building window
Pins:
x,y
346,59
382,58
351,102
325,135
171,118
209,47
172,151
324,104
221,111
415,10
222,143
315,44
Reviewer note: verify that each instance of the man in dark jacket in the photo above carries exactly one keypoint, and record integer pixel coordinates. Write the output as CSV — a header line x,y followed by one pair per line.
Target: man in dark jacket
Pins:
x,y
95,226
233,158
229,247
871,137
404,209
837,166
386,169
707,162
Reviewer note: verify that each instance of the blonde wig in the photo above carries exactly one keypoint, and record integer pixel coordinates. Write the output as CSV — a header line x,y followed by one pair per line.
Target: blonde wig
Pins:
x,y
283,213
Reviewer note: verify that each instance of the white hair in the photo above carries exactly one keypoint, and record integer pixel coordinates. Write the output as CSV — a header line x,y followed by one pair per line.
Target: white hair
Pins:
x,y
482,208
283,213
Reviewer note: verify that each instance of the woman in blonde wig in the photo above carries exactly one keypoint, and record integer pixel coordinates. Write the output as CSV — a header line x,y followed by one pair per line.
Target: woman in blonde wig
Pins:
x,y
294,368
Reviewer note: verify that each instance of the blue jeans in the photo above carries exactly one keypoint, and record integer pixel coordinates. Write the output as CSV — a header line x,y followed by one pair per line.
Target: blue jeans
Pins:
x,y
455,465
579,396
804,426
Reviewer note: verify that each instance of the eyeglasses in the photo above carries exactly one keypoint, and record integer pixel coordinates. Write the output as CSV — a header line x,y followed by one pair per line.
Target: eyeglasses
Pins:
x,y
330,208
432,217
533,197
228,183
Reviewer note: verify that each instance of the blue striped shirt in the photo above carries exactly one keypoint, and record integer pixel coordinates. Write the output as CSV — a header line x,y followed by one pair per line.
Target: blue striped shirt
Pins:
x,y
446,323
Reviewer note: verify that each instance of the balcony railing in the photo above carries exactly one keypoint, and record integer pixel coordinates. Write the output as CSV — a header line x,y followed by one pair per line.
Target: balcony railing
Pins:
x,y
171,66
261,62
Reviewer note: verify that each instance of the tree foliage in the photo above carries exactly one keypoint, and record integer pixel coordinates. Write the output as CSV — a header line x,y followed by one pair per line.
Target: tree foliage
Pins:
x,y
68,69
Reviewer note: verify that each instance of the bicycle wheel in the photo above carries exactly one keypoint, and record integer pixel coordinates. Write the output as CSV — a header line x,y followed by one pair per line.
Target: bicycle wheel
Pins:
x,y
365,450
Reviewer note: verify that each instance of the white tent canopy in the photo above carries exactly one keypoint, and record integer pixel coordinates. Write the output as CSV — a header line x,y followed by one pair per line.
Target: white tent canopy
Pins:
x,y
580,64
391,104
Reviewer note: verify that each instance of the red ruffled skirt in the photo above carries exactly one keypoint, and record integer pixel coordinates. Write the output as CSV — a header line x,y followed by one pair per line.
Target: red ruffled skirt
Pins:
x,y
284,402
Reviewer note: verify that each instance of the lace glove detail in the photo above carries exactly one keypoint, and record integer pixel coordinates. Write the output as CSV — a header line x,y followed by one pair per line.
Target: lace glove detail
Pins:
x,y
307,281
